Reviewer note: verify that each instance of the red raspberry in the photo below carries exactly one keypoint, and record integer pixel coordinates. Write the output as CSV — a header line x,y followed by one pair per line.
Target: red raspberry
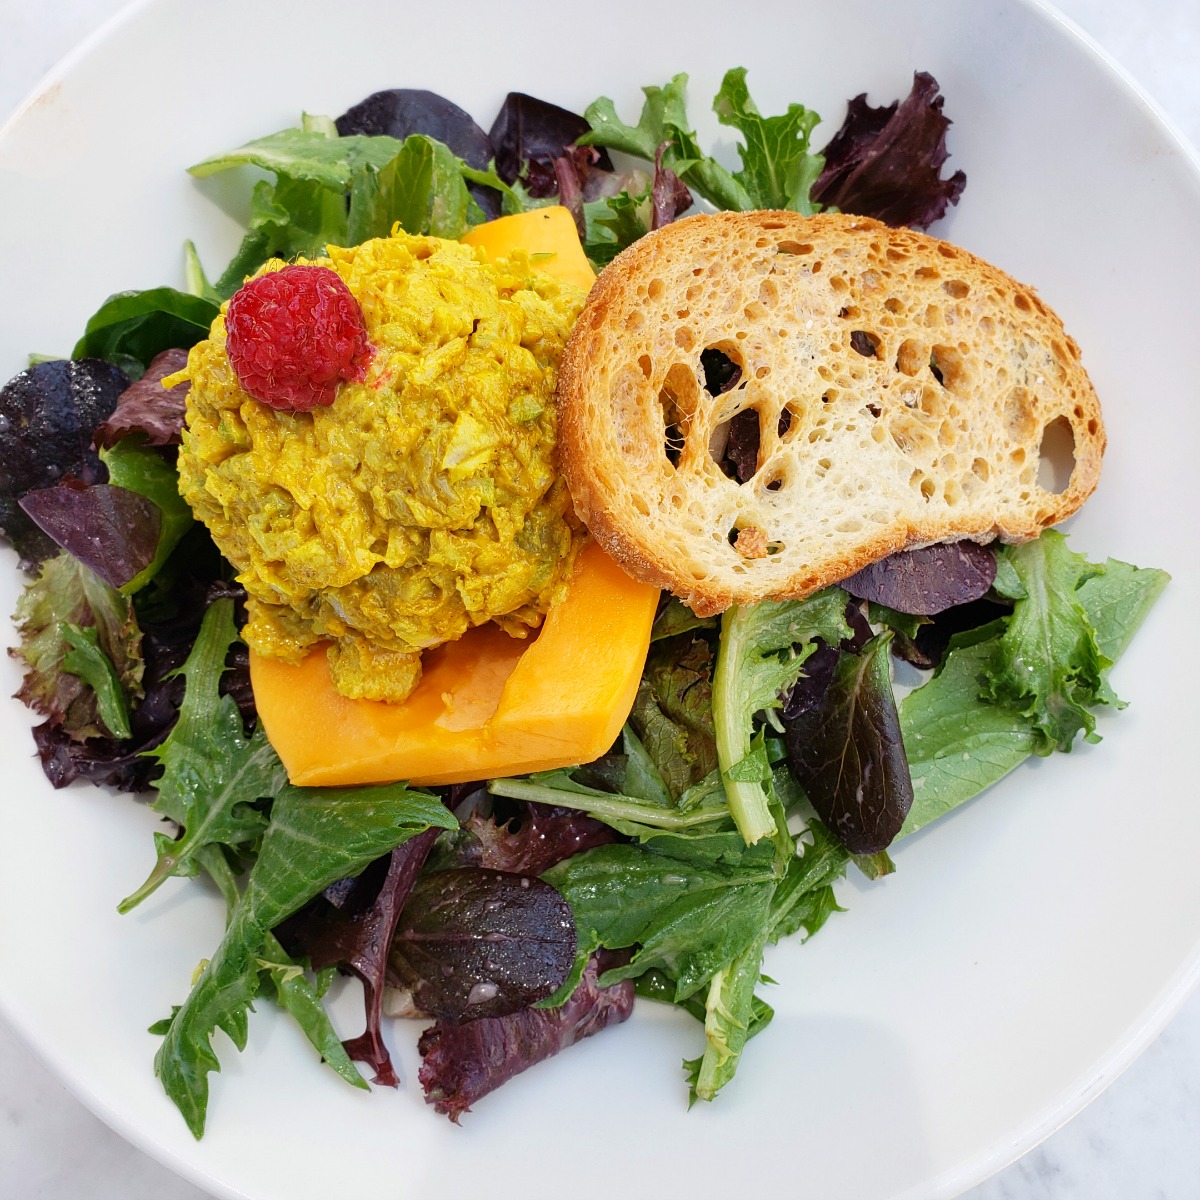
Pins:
x,y
293,335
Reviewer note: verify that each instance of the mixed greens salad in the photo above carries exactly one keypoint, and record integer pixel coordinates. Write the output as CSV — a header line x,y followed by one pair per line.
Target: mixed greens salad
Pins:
x,y
522,914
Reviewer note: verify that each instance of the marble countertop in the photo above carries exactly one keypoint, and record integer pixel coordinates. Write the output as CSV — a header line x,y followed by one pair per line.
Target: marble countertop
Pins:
x,y
1135,1141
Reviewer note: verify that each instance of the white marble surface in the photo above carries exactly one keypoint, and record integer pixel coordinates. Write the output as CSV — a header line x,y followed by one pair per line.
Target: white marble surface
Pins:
x,y
1140,1140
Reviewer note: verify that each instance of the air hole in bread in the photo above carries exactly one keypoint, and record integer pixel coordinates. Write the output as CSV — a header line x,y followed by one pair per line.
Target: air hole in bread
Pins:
x,y
738,458
754,311
1022,302
655,289
646,364
981,469
786,418
947,251
1056,456
685,339
721,370
866,344
957,289
677,398
874,409
799,248
893,305
928,488
926,274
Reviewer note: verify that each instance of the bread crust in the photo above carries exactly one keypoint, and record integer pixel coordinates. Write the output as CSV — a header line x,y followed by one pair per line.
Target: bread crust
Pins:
x,y
906,390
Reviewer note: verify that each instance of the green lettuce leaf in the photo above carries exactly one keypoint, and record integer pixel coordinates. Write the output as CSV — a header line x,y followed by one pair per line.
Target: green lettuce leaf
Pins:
x,y
214,775
315,837
1047,664
130,328
777,169
86,659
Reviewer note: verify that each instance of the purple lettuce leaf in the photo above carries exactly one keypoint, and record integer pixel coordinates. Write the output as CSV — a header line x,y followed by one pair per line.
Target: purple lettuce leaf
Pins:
x,y
351,925
148,408
475,943
532,841
460,1064
401,112
886,162
848,753
927,580
111,530
669,195
529,135
47,415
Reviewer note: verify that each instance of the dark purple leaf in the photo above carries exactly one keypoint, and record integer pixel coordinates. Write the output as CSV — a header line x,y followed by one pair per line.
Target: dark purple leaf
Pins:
x,y
47,415
531,131
886,162
400,112
849,756
740,459
808,692
351,925
477,943
669,195
928,580
926,649
110,529
535,841
462,1063
148,408
572,171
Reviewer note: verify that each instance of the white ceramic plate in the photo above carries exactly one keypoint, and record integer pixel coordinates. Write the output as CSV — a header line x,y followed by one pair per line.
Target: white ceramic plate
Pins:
x,y
1027,948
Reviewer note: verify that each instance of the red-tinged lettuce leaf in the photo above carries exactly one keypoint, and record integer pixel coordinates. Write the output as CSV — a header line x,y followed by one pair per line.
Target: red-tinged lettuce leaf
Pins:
x,y
475,943
148,408
167,637
460,1064
47,415
886,162
533,841
848,753
350,925
65,594
111,530
928,580
669,195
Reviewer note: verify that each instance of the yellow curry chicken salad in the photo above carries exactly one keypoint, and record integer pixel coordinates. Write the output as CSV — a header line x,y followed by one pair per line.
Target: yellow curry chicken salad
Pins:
x,y
422,501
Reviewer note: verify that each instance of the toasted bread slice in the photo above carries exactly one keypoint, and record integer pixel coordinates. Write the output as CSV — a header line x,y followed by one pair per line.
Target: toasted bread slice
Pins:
x,y
906,393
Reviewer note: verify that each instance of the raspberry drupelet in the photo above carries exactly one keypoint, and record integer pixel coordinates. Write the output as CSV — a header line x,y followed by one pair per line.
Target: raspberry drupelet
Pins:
x,y
294,335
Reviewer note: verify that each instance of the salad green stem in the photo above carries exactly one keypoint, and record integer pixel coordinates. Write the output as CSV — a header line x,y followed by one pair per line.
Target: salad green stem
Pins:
x,y
617,809
748,801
